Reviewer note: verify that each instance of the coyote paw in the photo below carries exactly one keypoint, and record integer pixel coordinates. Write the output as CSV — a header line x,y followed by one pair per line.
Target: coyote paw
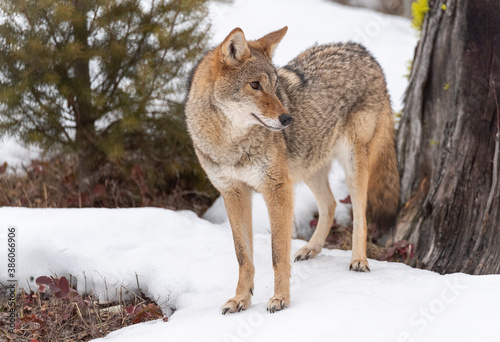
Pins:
x,y
235,304
277,303
305,253
359,266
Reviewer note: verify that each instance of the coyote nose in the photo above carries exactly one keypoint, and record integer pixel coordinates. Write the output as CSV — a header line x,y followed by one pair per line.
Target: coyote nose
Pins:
x,y
285,119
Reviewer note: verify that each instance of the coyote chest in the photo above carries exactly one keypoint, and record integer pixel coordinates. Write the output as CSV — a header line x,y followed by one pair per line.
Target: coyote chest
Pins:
x,y
238,158
248,169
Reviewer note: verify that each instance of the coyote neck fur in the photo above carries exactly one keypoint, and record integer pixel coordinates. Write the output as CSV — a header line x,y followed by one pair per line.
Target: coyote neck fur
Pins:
x,y
218,141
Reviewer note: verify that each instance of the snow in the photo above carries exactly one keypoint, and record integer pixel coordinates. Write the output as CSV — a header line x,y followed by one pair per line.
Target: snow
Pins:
x,y
188,263
15,154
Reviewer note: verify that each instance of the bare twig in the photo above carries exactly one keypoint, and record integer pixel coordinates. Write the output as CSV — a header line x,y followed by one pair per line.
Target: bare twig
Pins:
x,y
45,195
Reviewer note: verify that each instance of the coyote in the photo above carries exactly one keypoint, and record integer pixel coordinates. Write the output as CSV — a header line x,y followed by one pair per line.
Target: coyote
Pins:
x,y
259,128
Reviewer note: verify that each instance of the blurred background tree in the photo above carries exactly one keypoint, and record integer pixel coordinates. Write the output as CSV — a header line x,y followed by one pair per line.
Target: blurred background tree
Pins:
x,y
103,80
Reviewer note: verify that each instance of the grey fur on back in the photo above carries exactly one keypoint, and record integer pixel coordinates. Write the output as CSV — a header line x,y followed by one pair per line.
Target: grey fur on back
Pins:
x,y
334,81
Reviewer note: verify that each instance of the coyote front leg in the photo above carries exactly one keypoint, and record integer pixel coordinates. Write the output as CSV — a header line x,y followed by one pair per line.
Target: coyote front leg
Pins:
x,y
279,199
238,202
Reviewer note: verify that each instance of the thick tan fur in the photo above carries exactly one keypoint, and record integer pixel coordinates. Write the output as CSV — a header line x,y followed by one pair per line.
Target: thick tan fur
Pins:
x,y
237,111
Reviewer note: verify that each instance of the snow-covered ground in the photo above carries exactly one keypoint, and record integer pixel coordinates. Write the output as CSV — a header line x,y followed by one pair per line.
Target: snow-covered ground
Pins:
x,y
188,263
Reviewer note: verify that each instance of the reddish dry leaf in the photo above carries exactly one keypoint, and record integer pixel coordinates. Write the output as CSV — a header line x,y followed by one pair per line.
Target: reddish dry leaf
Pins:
x,y
3,168
346,200
43,280
31,319
63,285
403,249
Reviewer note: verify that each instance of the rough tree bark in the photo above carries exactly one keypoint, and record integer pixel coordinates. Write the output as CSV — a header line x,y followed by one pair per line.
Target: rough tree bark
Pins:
x,y
448,141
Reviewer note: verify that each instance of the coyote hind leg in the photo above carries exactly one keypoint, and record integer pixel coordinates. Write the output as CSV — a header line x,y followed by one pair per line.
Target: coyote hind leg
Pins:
x,y
320,186
357,176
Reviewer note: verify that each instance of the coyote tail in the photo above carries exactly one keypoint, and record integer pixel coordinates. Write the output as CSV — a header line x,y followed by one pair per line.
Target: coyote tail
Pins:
x,y
383,185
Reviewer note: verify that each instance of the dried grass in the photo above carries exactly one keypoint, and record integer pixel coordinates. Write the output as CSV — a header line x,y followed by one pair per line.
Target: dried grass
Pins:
x,y
54,184
44,317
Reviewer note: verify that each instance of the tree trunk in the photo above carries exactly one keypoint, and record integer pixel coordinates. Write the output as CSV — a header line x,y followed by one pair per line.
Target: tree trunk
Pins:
x,y
448,141
85,137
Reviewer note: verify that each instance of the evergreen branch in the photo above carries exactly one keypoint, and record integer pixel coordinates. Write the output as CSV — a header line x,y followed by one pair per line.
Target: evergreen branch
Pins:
x,y
93,20
51,93
51,30
36,96
135,58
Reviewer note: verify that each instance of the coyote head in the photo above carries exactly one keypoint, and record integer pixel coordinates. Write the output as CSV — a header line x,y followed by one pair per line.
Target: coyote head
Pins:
x,y
244,81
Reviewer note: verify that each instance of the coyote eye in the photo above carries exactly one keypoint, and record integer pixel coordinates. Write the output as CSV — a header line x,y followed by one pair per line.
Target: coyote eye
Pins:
x,y
255,85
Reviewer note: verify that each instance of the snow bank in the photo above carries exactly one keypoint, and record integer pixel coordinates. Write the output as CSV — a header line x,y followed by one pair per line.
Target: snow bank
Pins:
x,y
189,264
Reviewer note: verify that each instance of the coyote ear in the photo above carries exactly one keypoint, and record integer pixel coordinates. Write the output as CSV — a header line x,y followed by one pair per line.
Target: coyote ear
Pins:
x,y
269,42
234,48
